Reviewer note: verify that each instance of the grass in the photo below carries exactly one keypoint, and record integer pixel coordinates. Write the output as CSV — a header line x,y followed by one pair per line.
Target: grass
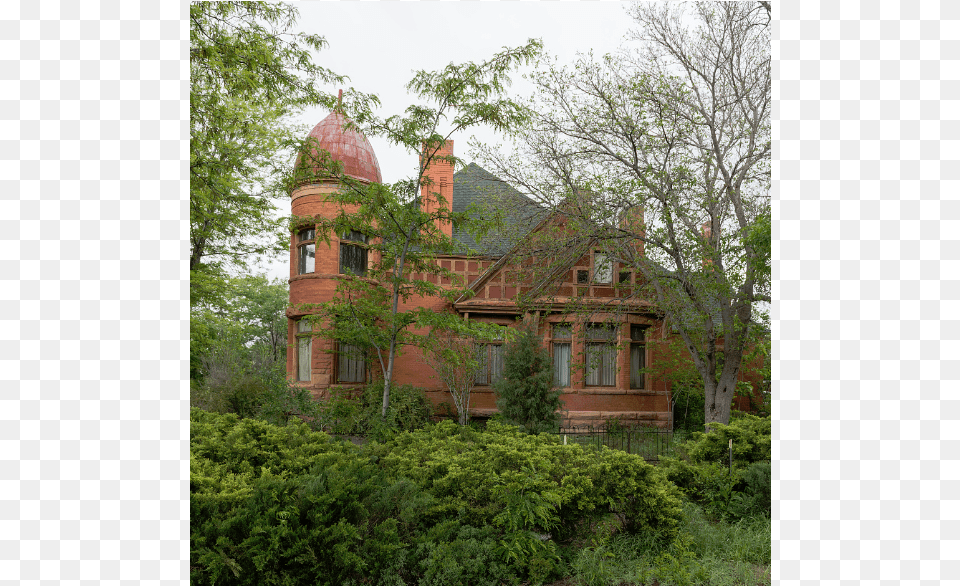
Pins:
x,y
707,552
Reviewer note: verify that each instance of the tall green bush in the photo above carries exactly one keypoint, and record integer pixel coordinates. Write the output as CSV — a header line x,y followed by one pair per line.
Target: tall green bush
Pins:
x,y
703,471
526,394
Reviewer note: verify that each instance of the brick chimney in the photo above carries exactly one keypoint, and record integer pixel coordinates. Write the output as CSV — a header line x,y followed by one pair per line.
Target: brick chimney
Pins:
x,y
438,178
707,231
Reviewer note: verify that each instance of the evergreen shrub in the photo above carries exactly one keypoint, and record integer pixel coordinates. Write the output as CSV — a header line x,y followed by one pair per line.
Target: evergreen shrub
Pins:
x,y
526,395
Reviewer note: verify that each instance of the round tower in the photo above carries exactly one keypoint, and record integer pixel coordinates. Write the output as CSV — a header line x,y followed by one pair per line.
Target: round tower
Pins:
x,y
315,266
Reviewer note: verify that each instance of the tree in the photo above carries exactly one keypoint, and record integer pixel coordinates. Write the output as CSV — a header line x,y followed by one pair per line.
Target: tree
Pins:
x,y
526,394
248,74
456,356
661,158
400,222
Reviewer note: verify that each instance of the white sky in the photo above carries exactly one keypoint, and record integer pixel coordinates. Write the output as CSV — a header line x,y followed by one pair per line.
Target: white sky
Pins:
x,y
379,45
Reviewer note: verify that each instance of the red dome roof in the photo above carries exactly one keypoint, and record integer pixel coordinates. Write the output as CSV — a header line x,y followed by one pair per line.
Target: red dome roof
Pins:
x,y
350,147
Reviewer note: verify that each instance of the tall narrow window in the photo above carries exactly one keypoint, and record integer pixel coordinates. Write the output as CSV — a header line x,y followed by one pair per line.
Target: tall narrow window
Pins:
x,y
353,256
491,364
601,356
561,354
304,349
602,268
306,251
351,364
638,351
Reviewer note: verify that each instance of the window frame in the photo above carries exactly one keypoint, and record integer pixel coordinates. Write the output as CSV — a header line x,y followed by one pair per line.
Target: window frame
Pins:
x,y
353,361
638,344
606,265
606,348
357,241
302,335
488,355
306,244
561,336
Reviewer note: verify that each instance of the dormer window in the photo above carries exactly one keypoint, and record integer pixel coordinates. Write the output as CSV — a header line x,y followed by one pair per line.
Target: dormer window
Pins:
x,y
306,251
353,256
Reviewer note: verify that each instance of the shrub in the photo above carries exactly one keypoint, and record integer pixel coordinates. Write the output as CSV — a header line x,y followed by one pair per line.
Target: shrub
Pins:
x,y
704,475
352,413
282,505
526,394
530,483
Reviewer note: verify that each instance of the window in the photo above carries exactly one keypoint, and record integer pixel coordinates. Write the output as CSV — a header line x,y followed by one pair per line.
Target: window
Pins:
x,y
353,257
601,356
637,356
625,277
561,354
583,277
304,349
351,364
491,364
306,251
602,268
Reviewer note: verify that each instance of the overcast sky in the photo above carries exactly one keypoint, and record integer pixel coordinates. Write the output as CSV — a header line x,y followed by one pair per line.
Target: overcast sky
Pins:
x,y
379,45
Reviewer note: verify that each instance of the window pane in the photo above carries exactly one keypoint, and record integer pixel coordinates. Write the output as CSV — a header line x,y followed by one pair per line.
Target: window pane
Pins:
x,y
593,365
562,331
637,362
308,234
602,268
351,366
599,332
601,365
306,261
561,364
484,369
636,333
608,369
303,358
353,260
353,236
496,363
303,325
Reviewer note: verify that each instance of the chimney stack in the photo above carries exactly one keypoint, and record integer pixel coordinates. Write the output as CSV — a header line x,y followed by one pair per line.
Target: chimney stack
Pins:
x,y
438,179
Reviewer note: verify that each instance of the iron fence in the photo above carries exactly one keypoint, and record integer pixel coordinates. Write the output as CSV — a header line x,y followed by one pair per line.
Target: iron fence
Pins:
x,y
648,442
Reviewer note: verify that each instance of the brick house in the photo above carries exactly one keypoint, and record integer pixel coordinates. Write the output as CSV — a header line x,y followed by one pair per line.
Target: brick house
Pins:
x,y
597,355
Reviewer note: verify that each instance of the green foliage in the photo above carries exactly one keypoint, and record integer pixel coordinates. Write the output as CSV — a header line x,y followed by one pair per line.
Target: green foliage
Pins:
x,y
533,483
750,435
526,395
452,554
248,75
755,496
704,552
350,413
276,504
703,473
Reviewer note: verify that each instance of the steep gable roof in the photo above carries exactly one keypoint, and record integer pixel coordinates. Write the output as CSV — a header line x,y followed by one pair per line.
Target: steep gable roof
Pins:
x,y
474,185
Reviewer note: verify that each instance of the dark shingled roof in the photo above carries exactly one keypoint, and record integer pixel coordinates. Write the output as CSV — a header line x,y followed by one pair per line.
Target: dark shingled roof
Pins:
x,y
477,186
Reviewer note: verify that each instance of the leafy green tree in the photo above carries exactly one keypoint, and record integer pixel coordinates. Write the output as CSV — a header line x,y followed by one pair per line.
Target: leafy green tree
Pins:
x,y
660,158
526,394
248,74
455,354
404,235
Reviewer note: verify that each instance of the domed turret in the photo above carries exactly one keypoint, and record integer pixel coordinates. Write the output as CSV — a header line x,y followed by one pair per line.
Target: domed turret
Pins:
x,y
347,146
